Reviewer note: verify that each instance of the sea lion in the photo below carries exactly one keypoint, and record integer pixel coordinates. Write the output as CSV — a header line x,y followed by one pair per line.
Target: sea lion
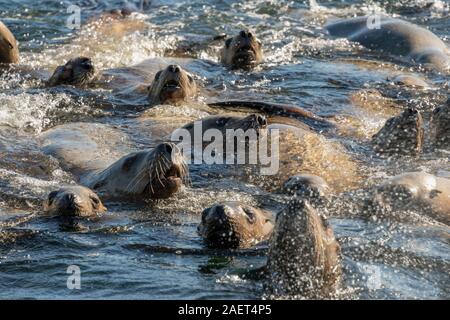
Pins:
x,y
154,174
224,123
235,225
396,37
73,201
275,109
401,135
172,85
416,190
409,80
9,49
243,51
90,152
440,127
304,257
76,72
307,186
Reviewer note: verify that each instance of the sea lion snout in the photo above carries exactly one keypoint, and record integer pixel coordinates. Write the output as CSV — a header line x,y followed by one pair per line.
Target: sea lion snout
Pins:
x,y
234,225
166,147
73,201
242,51
174,68
304,257
77,72
167,169
172,85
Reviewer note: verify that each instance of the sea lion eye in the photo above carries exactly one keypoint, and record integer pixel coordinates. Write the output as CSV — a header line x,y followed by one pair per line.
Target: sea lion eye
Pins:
x,y
250,215
95,201
52,197
228,43
157,75
437,110
262,121
191,79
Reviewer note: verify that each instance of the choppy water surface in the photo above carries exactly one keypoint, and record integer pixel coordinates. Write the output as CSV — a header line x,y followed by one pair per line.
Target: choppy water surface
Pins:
x,y
153,251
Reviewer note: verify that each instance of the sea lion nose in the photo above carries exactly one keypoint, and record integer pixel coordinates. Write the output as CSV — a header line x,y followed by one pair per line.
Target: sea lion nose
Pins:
x,y
412,111
221,213
437,110
166,147
245,34
69,198
69,202
262,121
174,68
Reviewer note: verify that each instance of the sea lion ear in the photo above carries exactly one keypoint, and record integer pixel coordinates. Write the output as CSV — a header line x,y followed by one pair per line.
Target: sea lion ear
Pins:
x,y
434,193
228,42
10,45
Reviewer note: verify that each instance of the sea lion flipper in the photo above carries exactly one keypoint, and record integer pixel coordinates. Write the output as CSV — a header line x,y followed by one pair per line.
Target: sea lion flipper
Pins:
x,y
280,110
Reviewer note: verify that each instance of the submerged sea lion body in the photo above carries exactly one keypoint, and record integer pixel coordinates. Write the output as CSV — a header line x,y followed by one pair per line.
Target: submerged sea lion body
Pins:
x,y
304,257
73,201
396,37
9,49
235,225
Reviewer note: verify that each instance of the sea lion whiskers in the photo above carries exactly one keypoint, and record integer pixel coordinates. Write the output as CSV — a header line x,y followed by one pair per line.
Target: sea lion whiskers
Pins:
x,y
136,180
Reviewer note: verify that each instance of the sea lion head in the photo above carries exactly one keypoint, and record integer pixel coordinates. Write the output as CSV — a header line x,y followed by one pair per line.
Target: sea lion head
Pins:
x,y
308,186
304,256
172,85
405,191
243,51
154,174
253,121
9,49
77,72
234,225
402,134
434,60
73,201
440,126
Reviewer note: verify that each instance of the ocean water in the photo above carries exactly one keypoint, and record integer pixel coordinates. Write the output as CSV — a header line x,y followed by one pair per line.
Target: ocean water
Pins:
x,y
152,250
